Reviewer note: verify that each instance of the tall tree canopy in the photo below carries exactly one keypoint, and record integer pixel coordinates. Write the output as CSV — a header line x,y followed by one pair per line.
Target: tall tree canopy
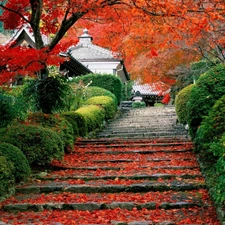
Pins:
x,y
138,29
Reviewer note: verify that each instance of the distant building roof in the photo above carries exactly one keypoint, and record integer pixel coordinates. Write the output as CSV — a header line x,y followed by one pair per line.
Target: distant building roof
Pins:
x,y
145,89
24,36
86,50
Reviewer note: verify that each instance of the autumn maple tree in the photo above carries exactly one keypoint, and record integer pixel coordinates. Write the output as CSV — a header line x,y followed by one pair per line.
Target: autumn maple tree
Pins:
x,y
131,27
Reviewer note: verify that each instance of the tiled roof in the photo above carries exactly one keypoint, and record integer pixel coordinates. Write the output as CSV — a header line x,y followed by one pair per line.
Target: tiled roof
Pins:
x,y
25,29
145,89
86,50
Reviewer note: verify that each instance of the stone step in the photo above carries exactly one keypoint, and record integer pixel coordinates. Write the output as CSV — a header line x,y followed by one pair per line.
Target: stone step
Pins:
x,y
152,177
142,135
137,142
90,206
134,188
139,130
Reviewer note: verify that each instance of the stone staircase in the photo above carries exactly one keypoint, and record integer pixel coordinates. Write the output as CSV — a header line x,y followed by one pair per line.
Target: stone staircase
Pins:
x,y
149,122
155,180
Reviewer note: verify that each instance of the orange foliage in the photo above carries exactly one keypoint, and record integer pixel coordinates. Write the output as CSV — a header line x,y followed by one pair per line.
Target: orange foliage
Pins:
x,y
146,33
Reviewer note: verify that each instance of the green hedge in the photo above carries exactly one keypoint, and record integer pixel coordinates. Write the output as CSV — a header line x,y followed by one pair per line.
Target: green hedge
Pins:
x,y
212,126
94,116
216,170
57,123
21,166
107,81
107,103
138,104
209,88
70,118
40,145
80,121
98,91
181,103
7,184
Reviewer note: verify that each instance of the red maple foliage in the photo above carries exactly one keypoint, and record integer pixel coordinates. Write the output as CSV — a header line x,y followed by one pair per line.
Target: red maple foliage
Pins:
x,y
134,28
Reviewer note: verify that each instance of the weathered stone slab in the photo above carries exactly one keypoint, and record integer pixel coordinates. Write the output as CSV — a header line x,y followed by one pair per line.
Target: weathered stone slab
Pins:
x,y
179,205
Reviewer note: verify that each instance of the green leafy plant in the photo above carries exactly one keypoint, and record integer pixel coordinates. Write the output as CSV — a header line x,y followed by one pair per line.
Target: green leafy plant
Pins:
x,y
181,103
94,115
92,91
21,166
57,124
40,145
107,103
49,95
107,81
138,104
209,88
69,116
212,126
11,108
7,184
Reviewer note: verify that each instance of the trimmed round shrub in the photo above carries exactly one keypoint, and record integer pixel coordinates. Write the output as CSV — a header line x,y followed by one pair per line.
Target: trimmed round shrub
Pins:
x,y
80,120
107,81
70,118
21,166
181,103
57,123
209,88
138,104
98,91
107,103
94,115
40,145
212,126
7,184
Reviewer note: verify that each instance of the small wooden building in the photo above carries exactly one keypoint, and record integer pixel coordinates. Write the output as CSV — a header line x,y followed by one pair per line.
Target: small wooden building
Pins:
x,y
149,95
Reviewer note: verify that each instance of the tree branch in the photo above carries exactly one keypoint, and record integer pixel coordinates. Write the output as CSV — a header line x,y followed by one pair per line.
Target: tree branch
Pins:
x,y
36,8
14,11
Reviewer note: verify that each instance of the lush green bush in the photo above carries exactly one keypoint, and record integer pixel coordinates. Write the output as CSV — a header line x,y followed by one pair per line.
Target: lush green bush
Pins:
x,y
49,95
209,88
98,91
106,81
217,170
138,104
81,121
21,166
93,114
7,184
69,116
181,103
57,123
11,108
107,103
212,126
40,145
127,90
